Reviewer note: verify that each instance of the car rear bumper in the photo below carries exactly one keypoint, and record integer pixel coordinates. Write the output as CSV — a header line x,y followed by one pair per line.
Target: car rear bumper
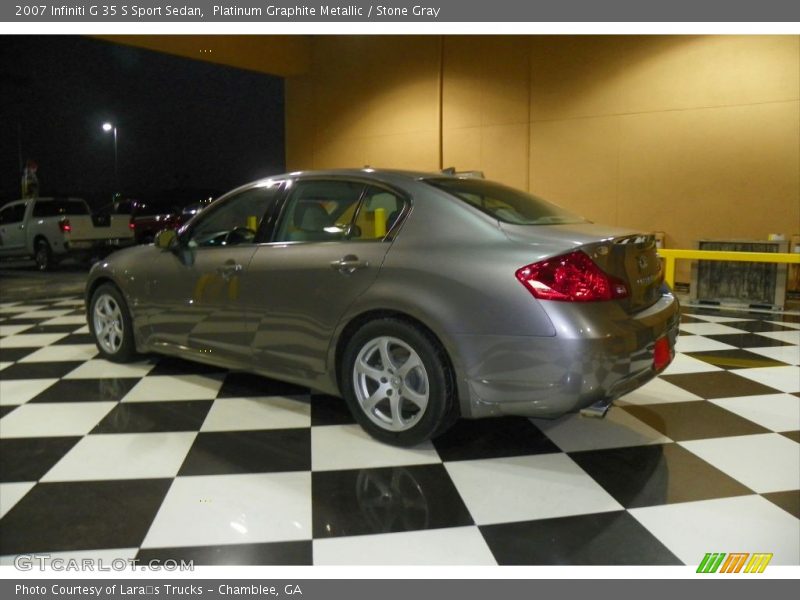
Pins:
x,y
599,353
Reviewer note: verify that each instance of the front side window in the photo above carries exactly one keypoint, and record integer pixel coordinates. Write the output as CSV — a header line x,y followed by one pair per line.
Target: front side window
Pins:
x,y
236,220
12,214
504,203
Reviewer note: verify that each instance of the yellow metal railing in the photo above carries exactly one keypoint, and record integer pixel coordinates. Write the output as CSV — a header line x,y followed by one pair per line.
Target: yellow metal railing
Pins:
x,y
670,256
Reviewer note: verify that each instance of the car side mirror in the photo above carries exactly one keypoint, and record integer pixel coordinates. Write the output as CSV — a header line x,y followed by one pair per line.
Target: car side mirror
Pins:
x,y
165,239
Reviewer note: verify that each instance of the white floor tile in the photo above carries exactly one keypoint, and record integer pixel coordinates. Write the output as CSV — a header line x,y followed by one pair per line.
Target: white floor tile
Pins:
x,y
573,433
658,391
767,462
18,308
75,352
107,556
30,340
785,379
698,343
686,364
11,493
272,412
709,329
123,456
522,488
233,509
787,354
158,388
789,324
67,320
53,419
349,447
3,365
19,391
778,412
84,329
790,337
102,369
451,546
716,319
43,314
75,302
6,330
740,524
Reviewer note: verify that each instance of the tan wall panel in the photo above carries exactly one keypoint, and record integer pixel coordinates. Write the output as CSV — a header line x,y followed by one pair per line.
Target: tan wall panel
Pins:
x,y
725,173
574,163
504,150
596,75
462,148
416,151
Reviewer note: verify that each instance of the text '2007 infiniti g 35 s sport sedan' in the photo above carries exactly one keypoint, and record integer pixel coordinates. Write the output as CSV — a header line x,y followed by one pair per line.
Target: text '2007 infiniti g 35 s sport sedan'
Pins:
x,y
419,298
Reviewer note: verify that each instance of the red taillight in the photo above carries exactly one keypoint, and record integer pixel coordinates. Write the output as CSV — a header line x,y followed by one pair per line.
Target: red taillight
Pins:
x,y
573,277
64,226
131,224
662,354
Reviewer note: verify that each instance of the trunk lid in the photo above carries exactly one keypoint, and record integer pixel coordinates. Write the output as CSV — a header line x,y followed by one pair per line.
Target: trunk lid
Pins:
x,y
623,253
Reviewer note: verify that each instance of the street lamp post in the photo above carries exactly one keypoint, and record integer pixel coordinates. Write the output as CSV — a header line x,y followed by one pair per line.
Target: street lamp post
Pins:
x,y
110,127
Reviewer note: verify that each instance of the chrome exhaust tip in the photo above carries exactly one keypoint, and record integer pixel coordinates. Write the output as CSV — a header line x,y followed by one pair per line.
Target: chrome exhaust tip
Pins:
x,y
597,410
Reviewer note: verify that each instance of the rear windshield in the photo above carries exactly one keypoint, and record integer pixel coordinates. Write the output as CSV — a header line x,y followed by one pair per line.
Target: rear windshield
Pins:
x,y
55,208
504,203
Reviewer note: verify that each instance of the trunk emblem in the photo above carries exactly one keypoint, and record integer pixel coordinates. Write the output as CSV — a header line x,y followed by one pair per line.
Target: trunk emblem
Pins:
x,y
642,260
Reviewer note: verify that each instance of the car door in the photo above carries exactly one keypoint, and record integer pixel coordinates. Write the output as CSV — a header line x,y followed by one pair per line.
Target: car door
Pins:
x,y
326,251
12,229
195,286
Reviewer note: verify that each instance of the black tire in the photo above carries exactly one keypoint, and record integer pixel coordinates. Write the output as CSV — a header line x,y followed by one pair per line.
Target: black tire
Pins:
x,y
423,424
43,255
126,349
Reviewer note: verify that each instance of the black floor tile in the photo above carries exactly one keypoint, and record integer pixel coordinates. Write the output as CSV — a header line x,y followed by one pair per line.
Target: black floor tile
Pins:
x,y
757,326
169,365
784,318
14,354
718,384
657,474
792,435
690,319
693,420
28,459
273,553
611,538
735,359
246,384
385,500
82,515
151,417
329,410
75,338
12,320
788,501
87,390
262,451
39,370
746,340
4,410
55,329
471,439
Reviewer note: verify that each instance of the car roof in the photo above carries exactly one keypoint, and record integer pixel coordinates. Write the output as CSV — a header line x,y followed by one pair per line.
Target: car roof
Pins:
x,y
385,175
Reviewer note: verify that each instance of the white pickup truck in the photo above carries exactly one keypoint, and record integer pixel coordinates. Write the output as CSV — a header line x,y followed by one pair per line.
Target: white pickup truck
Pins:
x,y
50,229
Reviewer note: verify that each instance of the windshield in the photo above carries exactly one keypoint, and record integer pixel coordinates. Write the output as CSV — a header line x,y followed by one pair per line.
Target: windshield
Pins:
x,y
504,203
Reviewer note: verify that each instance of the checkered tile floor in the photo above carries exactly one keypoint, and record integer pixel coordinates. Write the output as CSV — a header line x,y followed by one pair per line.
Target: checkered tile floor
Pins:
x,y
168,459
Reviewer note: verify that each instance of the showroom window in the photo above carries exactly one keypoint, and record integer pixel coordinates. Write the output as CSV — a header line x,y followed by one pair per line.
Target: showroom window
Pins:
x,y
319,211
237,220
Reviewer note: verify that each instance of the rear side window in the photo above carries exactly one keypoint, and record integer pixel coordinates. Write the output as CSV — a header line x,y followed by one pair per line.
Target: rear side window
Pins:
x,y
56,208
504,203
12,214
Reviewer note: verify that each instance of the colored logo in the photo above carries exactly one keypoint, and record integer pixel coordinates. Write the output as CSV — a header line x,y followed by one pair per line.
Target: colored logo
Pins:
x,y
735,562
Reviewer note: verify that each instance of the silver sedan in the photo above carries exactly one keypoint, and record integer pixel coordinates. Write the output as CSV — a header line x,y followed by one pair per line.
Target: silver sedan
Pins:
x,y
419,298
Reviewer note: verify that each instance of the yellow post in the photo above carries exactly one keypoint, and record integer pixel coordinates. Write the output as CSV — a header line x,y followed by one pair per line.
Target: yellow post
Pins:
x,y
671,255
380,222
252,223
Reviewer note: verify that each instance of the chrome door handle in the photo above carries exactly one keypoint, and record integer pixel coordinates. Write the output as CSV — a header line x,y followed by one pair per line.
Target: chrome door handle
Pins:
x,y
348,264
